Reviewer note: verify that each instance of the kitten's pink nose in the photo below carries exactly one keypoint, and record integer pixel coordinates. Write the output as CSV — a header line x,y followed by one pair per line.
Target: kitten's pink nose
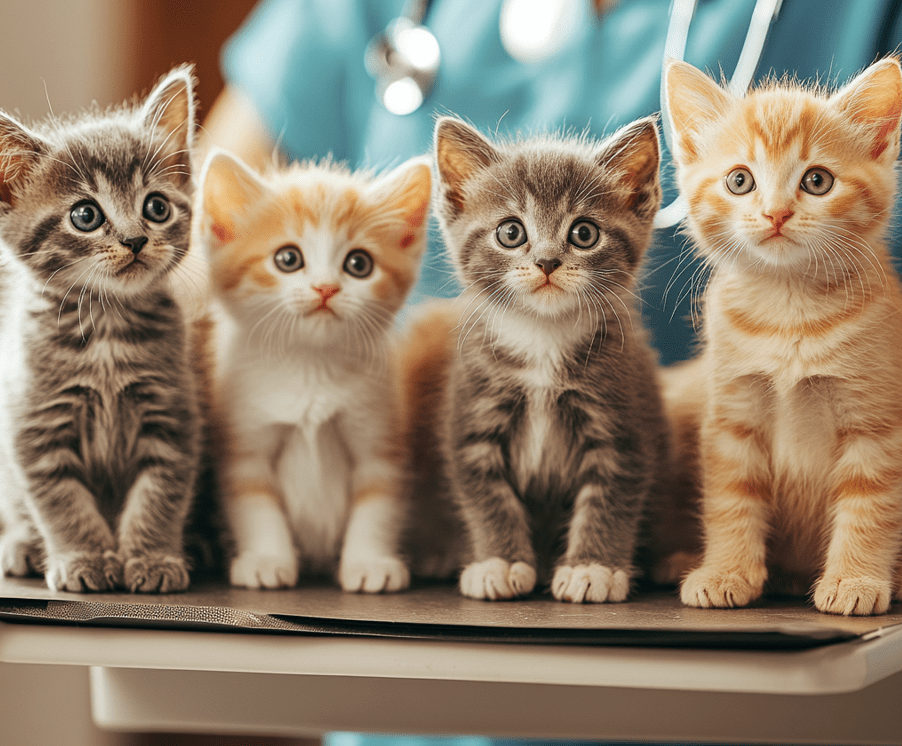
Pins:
x,y
327,291
779,217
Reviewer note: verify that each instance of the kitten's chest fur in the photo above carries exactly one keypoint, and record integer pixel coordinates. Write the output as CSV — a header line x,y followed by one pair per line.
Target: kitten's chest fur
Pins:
x,y
541,446
98,374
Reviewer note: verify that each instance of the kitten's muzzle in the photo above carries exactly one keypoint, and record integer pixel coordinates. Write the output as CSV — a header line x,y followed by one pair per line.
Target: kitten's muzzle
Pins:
x,y
135,244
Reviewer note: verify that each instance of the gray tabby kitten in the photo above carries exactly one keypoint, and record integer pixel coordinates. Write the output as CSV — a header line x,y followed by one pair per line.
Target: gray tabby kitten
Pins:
x,y
98,411
556,436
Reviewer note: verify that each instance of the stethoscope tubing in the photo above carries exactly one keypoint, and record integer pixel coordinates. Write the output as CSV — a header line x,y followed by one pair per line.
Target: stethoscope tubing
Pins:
x,y
378,60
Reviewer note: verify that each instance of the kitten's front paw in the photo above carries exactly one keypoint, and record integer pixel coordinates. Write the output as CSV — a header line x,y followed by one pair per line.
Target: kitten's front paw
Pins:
x,y
852,596
84,571
381,575
495,579
592,583
252,570
711,587
156,573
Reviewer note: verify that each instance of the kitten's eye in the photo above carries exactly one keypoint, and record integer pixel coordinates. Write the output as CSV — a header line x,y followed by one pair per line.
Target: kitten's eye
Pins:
x,y
157,208
583,234
289,259
87,217
817,181
740,181
359,264
511,234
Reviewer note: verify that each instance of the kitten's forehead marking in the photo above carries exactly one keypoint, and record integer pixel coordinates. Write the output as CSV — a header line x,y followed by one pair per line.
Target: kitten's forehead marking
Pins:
x,y
324,251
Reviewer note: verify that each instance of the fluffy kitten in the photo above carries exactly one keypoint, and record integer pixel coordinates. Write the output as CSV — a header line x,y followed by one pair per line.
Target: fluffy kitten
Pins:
x,y
98,418
790,194
310,264
555,435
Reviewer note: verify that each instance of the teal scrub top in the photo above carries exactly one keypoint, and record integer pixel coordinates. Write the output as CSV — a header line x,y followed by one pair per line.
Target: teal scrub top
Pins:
x,y
301,62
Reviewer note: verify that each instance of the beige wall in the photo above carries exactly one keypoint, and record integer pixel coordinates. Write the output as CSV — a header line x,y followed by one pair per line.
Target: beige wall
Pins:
x,y
75,46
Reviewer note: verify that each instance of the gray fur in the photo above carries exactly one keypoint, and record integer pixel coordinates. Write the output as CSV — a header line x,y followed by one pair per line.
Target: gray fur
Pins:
x,y
98,414
552,452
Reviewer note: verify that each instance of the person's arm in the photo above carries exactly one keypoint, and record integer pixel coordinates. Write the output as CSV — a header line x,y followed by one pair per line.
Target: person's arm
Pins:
x,y
235,125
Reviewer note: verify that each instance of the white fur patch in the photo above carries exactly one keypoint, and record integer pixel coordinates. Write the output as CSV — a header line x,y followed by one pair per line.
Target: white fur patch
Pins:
x,y
592,583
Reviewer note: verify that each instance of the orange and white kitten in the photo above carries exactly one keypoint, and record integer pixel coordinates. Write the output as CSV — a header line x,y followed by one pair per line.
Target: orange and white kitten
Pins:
x,y
790,192
309,266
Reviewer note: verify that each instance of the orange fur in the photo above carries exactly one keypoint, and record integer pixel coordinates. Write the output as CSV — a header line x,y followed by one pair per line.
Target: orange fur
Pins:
x,y
436,537
800,425
309,265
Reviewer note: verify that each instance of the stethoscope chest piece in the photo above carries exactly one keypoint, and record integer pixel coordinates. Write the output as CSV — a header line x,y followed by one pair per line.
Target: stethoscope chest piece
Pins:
x,y
404,60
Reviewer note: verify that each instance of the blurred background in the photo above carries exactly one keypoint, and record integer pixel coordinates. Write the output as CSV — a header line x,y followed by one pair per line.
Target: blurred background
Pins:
x,y
107,50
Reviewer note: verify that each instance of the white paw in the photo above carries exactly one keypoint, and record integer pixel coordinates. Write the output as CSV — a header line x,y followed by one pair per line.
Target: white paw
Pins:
x,y
84,571
252,570
711,587
593,583
380,575
496,579
859,596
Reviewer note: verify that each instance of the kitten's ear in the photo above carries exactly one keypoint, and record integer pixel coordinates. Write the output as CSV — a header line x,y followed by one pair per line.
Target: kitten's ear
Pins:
x,y
406,190
634,154
460,152
693,102
170,108
19,152
874,99
228,186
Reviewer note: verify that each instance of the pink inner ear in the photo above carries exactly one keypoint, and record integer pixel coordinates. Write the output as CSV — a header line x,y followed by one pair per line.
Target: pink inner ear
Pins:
x,y
882,141
416,217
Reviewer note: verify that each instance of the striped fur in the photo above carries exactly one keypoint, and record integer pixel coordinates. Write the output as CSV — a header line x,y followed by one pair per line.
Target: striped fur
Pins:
x,y
555,435
306,391
801,432
98,414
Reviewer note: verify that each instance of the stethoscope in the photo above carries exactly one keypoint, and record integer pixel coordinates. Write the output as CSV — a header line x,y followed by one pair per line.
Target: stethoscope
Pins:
x,y
405,58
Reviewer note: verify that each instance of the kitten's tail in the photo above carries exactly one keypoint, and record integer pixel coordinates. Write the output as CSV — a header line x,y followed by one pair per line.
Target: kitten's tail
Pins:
x,y
675,527
434,539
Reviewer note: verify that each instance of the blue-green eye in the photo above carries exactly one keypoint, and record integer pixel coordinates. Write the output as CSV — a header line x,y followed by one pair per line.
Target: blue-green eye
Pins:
x,y
87,216
157,208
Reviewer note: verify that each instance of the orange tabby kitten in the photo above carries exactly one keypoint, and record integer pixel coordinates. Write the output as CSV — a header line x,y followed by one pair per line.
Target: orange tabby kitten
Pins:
x,y
309,265
790,194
